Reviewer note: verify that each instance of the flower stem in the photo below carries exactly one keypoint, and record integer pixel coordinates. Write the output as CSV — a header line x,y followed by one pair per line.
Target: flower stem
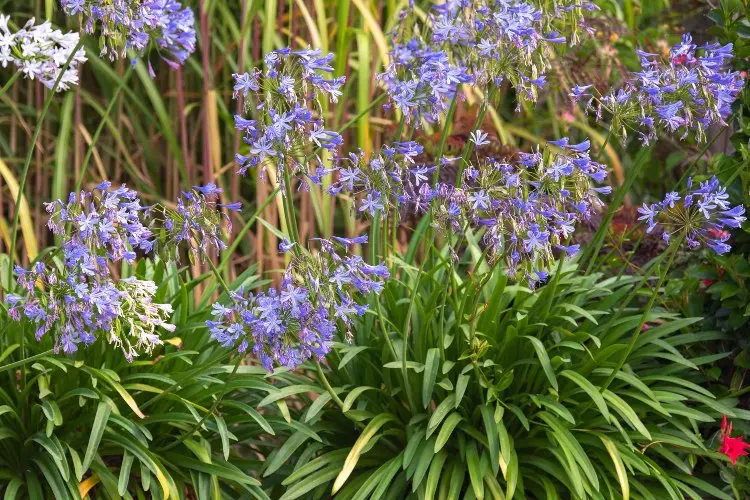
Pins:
x,y
468,148
100,128
211,410
16,364
30,157
328,387
673,248
10,83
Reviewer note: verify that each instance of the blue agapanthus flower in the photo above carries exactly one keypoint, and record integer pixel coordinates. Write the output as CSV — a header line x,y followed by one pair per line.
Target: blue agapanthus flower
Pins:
x,y
298,321
688,91
477,42
703,216
79,300
289,130
134,24
421,82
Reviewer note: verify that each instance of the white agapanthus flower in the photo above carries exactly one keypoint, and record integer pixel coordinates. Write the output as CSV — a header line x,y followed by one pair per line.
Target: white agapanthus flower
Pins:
x,y
40,52
142,316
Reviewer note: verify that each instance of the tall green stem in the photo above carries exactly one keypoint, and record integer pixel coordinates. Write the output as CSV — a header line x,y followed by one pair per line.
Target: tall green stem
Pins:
x,y
327,385
673,248
22,362
100,128
211,410
10,83
469,147
592,250
30,157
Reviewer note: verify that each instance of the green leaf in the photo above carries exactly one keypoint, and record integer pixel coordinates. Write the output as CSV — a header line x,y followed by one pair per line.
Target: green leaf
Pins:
x,y
107,379
475,471
252,413
325,460
382,476
433,477
54,481
351,352
432,364
410,365
77,465
570,445
422,464
282,454
318,404
461,384
12,489
97,430
541,352
511,475
306,486
413,443
224,434
493,439
589,389
8,351
627,413
353,395
218,467
447,429
291,390
506,449
457,480
440,412
367,434
122,483
622,473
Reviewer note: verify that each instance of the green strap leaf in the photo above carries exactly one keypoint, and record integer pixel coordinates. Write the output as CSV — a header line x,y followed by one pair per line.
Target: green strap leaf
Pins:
x,y
447,429
493,438
475,470
353,395
432,364
97,430
589,389
541,352
292,390
367,434
224,434
622,473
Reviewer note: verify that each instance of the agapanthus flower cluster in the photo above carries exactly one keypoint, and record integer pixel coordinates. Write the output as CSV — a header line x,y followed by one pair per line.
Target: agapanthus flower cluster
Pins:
x,y
134,24
79,300
690,90
290,132
483,42
198,222
421,82
40,52
99,227
298,321
385,181
702,216
78,308
527,206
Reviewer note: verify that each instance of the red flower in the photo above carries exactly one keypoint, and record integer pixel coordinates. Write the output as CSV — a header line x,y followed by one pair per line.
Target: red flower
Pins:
x,y
707,282
735,447
681,59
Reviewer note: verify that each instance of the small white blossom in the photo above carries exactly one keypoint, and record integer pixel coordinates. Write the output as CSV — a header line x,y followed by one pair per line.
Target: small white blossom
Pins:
x,y
40,52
